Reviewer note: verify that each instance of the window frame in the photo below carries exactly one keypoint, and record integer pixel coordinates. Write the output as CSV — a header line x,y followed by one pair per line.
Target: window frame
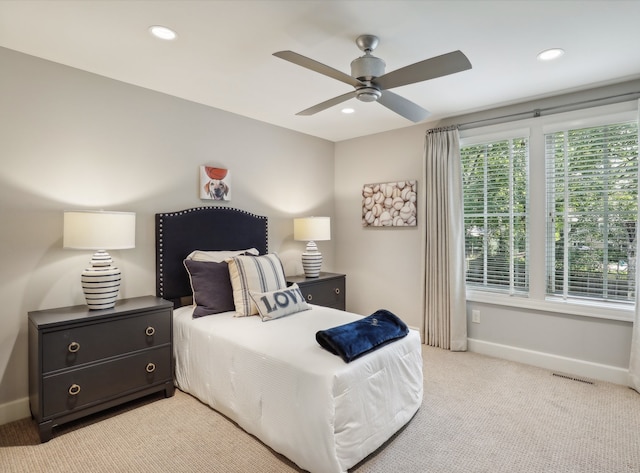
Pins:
x,y
538,126
566,293
483,139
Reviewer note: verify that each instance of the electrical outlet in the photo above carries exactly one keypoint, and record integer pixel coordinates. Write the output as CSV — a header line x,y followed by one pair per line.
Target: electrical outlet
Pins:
x,y
475,316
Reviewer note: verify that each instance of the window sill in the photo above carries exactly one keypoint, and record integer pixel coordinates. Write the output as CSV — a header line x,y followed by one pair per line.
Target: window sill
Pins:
x,y
593,309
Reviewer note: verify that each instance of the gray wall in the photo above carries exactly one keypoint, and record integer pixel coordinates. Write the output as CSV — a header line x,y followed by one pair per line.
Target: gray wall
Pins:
x,y
73,140
383,264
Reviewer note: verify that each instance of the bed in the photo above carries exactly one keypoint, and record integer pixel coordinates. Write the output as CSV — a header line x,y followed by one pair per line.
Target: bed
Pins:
x,y
272,378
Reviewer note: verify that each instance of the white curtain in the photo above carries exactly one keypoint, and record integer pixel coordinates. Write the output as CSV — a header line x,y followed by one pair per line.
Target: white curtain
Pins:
x,y
445,300
634,362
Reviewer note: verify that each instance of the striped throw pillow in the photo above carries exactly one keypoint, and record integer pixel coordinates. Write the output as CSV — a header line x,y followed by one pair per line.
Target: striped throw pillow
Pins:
x,y
257,274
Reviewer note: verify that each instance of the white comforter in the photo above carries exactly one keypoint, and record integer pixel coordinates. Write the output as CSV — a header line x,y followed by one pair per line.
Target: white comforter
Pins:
x,y
278,384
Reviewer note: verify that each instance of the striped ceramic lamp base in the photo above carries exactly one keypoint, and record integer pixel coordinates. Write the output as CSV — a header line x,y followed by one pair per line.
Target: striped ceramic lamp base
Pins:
x,y
312,260
101,282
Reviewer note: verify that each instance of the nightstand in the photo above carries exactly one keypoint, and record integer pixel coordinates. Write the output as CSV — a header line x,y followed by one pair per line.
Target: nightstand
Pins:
x,y
82,361
328,289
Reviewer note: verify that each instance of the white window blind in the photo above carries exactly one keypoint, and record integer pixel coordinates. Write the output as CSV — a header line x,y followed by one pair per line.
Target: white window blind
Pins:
x,y
592,208
495,188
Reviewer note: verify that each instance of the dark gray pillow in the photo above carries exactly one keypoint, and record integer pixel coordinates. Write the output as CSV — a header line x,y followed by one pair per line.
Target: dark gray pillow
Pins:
x,y
211,286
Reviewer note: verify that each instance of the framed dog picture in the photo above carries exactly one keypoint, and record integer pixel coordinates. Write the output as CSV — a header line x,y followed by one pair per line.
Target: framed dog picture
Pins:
x,y
215,183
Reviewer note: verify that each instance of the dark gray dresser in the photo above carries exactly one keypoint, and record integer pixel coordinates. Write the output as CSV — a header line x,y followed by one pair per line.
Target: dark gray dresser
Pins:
x,y
327,290
83,361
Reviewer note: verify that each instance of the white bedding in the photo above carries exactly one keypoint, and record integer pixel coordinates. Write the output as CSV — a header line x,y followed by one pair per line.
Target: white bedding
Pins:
x,y
278,384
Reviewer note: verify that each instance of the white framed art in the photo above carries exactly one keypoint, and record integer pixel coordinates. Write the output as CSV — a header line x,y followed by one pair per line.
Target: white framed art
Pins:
x,y
215,183
390,204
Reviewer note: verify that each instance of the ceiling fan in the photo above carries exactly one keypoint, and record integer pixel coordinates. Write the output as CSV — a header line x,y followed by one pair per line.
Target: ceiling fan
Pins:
x,y
372,84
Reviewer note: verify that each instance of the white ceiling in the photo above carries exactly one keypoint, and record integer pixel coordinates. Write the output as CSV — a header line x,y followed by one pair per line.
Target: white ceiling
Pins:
x,y
223,54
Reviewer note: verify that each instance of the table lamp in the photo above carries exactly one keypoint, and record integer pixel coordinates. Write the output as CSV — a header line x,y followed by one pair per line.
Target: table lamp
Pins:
x,y
312,229
100,231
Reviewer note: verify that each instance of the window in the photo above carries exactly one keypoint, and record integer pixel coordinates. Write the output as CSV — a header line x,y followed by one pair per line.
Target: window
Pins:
x,y
592,208
495,188
551,210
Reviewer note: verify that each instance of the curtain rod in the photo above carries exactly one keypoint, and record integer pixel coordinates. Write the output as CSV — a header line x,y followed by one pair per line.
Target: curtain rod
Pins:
x,y
538,112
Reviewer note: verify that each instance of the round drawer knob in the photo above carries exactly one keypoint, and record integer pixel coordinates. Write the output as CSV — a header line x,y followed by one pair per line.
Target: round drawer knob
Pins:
x,y
151,367
74,389
309,297
74,347
337,290
150,331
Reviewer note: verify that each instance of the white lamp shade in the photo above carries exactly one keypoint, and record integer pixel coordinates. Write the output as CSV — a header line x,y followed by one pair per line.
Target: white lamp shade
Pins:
x,y
312,229
99,230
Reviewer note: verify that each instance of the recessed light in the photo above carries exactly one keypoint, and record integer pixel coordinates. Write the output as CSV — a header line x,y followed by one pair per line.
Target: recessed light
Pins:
x,y
162,32
347,110
550,54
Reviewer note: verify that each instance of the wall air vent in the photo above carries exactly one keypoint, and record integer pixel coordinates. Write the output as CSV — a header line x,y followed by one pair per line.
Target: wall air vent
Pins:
x,y
574,378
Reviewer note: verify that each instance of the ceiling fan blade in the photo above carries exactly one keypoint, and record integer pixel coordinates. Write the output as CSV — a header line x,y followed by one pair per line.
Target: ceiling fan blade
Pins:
x,y
438,66
403,107
329,103
316,66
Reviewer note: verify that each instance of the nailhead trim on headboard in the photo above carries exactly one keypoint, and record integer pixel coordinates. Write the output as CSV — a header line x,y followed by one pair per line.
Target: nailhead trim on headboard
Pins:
x,y
160,222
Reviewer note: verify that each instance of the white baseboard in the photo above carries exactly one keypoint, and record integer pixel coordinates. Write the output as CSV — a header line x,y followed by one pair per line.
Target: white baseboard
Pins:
x,y
14,410
561,364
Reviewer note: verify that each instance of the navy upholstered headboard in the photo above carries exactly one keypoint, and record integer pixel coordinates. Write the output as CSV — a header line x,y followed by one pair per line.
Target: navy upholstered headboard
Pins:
x,y
201,228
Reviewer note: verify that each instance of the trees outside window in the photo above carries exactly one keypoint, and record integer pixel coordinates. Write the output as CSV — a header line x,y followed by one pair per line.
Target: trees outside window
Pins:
x,y
575,202
592,204
495,187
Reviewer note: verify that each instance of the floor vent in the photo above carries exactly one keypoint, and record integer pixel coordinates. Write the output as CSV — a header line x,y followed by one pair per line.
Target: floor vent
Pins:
x,y
574,378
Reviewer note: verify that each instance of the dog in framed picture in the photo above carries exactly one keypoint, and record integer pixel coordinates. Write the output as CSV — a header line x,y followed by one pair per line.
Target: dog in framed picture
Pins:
x,y
214,183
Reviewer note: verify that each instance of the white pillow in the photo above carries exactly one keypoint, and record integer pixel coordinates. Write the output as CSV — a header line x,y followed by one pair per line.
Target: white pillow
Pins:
x,y
219,256
257,274
275,304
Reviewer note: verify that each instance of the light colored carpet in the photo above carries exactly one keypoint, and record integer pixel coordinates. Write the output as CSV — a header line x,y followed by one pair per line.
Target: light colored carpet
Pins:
x,y
479,414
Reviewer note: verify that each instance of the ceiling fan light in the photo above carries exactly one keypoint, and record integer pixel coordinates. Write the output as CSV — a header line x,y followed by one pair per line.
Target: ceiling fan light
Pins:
x,y
550,54
162,32
368,94
347,110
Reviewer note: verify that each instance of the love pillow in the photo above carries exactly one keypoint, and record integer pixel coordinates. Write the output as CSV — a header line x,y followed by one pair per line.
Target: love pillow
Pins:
x,y
276,304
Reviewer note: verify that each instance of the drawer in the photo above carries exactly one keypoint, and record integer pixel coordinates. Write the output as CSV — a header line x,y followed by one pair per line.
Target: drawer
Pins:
x,y
329,293
101,381
79,344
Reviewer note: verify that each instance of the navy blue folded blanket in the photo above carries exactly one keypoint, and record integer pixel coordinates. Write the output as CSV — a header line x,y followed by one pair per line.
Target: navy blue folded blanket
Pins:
x,y
358,338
